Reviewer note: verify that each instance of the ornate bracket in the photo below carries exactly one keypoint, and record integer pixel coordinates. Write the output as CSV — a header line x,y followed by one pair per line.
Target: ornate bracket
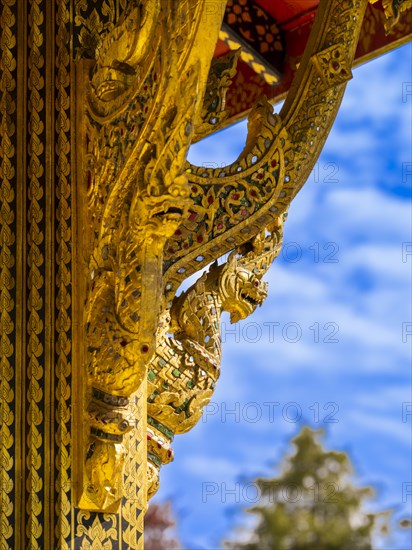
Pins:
x,y
152,219
138,126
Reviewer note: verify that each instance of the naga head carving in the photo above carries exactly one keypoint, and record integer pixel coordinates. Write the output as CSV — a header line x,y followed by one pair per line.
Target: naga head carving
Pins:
x,y
241,290
161,211
240,286
124,50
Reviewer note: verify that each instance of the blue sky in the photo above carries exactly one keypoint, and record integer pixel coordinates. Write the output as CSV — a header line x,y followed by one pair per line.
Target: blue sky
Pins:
x,y
328,344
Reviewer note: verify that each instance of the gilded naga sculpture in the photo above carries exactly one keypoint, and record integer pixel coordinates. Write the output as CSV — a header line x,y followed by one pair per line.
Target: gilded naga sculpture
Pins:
x,y
185,368
151,219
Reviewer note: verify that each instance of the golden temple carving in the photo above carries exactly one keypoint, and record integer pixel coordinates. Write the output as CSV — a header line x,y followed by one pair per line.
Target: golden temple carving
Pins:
x,y
153,219
102,219
139,125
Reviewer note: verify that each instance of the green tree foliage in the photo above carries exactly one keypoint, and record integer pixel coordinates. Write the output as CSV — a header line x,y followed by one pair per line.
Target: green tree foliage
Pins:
x,y
160,528
313,504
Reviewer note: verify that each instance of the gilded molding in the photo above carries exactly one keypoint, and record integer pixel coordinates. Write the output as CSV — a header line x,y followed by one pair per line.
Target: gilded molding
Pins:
x,y
35,276
64,238
7,263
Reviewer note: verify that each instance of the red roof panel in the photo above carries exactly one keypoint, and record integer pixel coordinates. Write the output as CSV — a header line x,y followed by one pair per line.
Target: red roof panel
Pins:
x,y
288,10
